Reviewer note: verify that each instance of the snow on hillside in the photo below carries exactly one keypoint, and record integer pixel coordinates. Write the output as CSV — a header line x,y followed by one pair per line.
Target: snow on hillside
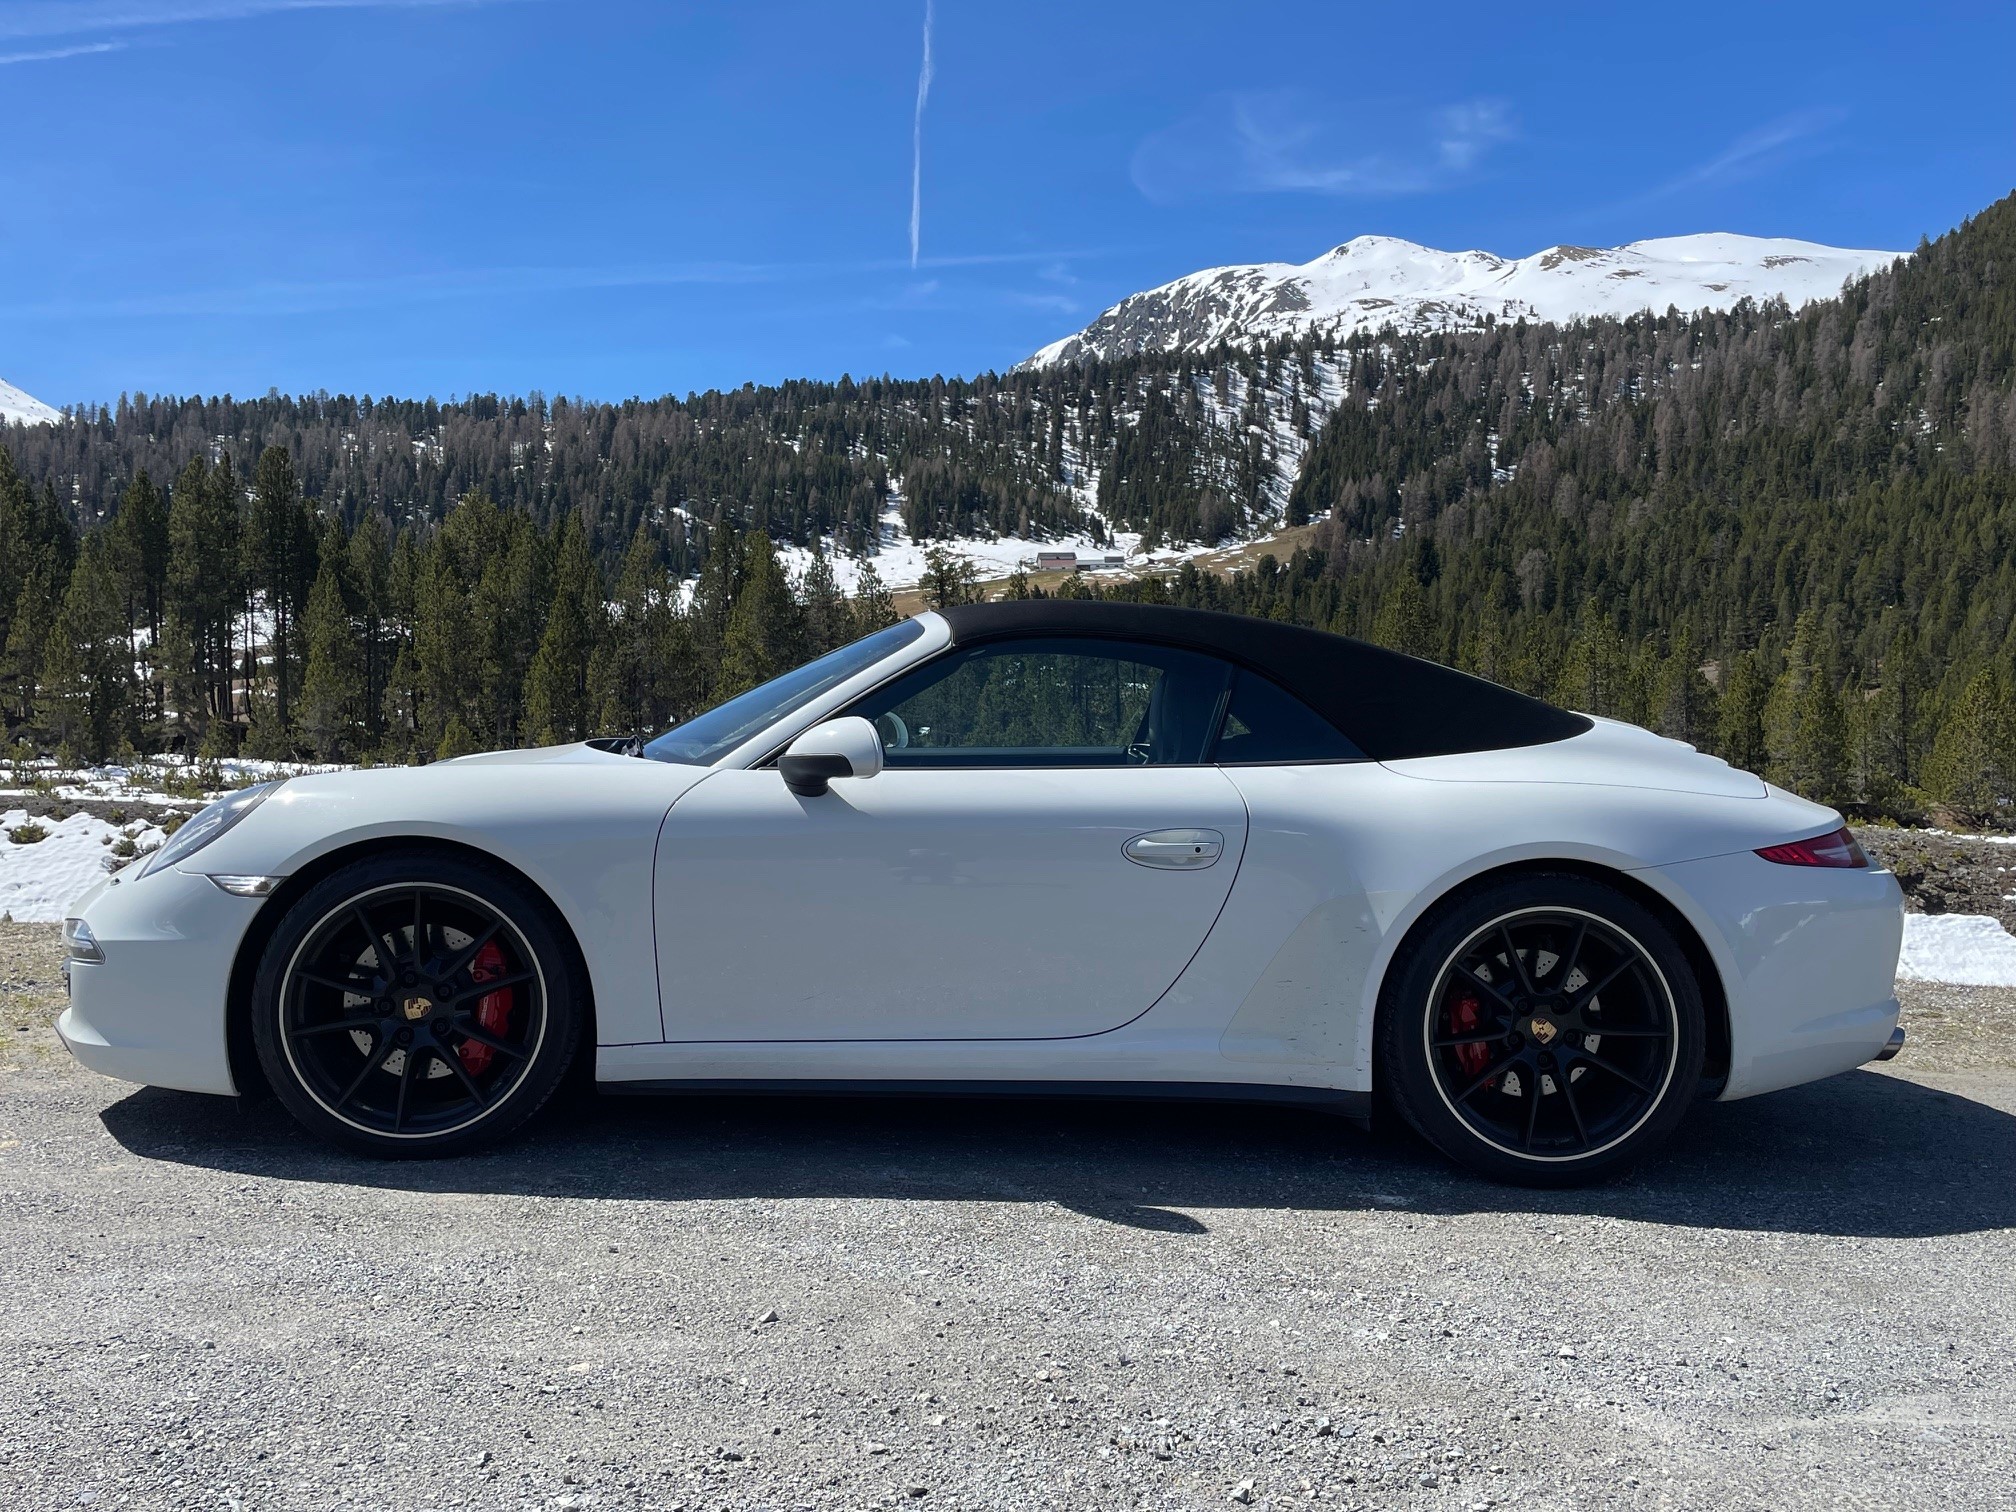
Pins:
x,y
24,408
1374,281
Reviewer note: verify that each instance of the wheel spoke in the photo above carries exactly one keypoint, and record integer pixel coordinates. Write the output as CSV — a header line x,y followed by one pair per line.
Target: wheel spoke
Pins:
x,y
380,1052
454,1063
419,927
484,989
1470,1038
468,952
380,944
352,986
1599,1032
405,1083
484,1037
336,1026
1565,967
1483,986
1512,955
1615,1070
1532,1110
1588,994
1499,1069
1566,1082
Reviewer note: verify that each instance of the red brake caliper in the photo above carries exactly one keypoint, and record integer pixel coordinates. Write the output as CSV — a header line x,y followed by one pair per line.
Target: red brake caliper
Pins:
x,y
1466,1014
493,1009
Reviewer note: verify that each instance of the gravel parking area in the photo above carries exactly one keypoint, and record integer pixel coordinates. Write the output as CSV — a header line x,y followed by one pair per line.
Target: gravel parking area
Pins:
x,y
804,1303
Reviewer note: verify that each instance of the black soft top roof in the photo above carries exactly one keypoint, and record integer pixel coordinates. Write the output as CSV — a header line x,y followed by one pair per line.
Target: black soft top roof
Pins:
x,y
1389,705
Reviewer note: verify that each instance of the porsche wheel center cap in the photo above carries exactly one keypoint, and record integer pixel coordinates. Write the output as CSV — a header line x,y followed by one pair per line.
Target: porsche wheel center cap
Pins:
x,y
1544,1031
416,1007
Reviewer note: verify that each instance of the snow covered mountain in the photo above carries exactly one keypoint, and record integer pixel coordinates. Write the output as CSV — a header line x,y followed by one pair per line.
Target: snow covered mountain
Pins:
x,y
28,410
1372,281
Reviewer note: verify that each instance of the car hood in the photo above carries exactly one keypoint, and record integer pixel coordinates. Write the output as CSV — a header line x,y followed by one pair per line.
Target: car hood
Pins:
x,y
580,752
1609,754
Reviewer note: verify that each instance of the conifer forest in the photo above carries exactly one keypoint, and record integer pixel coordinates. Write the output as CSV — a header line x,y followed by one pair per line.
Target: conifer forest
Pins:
x,y
1786,537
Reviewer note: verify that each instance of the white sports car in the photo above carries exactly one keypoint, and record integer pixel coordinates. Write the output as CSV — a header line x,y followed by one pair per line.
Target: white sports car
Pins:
x,y
1040,846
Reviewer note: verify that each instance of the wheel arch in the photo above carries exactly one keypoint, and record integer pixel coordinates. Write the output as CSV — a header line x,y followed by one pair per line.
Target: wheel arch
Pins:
x,y
1707,973
246,1073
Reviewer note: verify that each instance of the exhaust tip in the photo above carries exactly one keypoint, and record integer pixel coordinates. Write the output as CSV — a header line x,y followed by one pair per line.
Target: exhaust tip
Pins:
x,y
1894,1044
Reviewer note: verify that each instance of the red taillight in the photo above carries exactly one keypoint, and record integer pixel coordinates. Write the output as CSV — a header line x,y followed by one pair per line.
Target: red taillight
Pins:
x,y
1837,849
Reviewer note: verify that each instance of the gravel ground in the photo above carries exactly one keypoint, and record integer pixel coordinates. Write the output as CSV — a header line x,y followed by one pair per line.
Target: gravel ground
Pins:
x,y
784,1304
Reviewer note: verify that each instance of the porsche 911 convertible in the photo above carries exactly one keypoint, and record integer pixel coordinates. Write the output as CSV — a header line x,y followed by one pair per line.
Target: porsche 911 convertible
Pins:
x,y
1049,846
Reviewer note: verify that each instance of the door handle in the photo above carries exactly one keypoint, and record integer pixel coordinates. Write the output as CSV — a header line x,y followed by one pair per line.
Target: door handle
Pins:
x,y
1175,849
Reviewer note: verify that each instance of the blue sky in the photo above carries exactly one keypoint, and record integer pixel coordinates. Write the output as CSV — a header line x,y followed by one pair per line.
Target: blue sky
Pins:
x,y
613,197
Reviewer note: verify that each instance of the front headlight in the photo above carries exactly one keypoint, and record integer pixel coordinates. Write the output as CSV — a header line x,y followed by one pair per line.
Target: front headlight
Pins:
x,y
207,824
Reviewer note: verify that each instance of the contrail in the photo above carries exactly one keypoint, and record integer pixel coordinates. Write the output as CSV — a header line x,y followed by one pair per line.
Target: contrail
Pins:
x,y
917,141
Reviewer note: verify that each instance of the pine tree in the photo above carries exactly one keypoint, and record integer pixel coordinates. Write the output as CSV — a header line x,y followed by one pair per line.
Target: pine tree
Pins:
x,y
202,595
278,543
766,632
1816,761
1402,623
645,673
87,671
140,554
559,705
827,622
950,579
872,606
1972,769
1739,725
334,689
368,571
1684,700
445,643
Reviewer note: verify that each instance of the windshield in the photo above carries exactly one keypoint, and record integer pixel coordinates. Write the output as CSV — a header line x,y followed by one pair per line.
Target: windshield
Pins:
x,y
705,739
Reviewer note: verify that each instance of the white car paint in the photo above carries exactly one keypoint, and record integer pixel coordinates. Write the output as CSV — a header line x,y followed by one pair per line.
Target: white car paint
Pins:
x,y
973,925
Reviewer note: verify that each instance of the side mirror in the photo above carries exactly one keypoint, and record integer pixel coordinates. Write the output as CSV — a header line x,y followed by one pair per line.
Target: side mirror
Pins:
x,y
838,748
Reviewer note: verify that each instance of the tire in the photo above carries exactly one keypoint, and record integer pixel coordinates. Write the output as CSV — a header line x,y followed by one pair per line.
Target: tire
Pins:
x,y
417,1004
1545,1029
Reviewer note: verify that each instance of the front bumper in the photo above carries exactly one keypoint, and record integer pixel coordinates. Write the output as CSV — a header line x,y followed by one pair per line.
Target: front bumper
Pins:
x,y
1808,958
153,1010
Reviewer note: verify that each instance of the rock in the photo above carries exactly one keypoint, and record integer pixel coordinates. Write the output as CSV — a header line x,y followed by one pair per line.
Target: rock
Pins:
x,y
1243,1493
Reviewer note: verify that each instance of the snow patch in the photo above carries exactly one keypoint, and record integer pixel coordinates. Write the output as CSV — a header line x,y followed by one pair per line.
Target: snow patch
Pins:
x,y
25,409
39,881
1970,950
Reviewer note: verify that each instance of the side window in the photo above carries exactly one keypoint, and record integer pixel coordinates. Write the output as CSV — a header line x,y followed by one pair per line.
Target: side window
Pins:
x,y
1262,723
1047,701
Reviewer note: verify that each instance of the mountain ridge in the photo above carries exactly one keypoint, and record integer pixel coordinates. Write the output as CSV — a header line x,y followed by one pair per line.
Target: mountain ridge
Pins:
x,y
1373,281
25,409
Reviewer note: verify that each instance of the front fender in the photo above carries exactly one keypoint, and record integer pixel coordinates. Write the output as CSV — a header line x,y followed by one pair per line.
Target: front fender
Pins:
x,y
583,832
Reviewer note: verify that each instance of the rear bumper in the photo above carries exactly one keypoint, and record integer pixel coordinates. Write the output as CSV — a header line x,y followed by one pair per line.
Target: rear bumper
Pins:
x,y
153,1010
1808,957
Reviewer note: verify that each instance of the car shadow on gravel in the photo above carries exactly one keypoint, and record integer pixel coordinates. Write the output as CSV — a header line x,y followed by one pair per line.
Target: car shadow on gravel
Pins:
x,y
1865,1155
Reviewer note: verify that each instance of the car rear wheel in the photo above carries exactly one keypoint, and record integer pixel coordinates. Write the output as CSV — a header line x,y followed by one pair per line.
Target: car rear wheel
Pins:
x,y
1545,1029
416,1005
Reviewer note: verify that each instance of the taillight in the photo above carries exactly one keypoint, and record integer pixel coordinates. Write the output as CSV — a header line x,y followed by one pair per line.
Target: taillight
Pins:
x,y
1837,849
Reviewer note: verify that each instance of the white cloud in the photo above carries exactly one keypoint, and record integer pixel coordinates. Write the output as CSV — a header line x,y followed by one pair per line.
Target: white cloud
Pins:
x,y
1755,153
51,54
917,141
63,18
1282,142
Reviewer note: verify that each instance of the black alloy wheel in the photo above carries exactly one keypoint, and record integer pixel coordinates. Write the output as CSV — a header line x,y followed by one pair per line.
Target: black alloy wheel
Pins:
x,y
1545,1030
416,1005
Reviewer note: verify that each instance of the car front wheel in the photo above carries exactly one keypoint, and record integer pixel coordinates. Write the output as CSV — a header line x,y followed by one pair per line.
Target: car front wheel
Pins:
x,y
416,1005
1545,1029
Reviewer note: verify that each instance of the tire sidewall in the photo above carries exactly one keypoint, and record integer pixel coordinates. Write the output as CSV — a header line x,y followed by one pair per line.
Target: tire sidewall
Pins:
x,y
1407,1001
562,984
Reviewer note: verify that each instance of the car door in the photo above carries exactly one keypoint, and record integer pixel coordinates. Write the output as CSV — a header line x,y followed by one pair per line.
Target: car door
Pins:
x,y
1041,856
